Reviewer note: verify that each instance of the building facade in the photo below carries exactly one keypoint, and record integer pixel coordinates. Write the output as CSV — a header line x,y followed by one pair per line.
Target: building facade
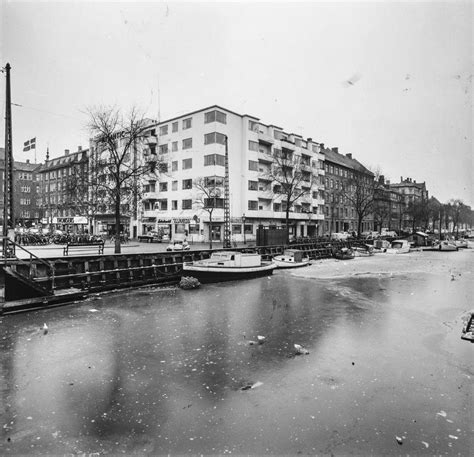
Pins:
x,y
192,149
413,193
388,207
24,192
63,192
345,180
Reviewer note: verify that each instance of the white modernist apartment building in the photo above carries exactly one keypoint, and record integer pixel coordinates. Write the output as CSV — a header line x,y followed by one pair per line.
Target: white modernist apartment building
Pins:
x,y
192,148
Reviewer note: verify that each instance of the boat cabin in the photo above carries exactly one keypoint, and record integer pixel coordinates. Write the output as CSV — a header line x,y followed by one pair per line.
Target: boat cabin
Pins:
x,y
292,255
235,259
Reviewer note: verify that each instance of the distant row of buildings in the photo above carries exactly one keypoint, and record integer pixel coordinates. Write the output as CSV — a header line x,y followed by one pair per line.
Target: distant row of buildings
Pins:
x,y
192,146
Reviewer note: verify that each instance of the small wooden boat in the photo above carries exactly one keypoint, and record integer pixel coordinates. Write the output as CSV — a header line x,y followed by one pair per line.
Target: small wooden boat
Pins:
x,y
446,245
399,247
291,258
228,266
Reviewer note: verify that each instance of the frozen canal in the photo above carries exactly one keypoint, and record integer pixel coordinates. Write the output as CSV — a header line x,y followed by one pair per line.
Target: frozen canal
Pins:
x,y
170,371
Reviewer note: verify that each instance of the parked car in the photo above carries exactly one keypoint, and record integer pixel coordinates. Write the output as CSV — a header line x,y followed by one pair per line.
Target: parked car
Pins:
x,y
150,237
178,245
341,236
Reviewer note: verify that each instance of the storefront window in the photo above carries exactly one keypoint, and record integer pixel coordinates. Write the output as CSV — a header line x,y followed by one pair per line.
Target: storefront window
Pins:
x,y
248,229
236,229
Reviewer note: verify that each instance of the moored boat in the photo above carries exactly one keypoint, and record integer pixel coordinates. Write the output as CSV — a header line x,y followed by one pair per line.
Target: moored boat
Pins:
x,y
445,245
344,253
399,247
461,243
228,266
291,258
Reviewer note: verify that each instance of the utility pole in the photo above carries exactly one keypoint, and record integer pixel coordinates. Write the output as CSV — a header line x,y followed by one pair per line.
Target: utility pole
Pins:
x,y
8,215
226,243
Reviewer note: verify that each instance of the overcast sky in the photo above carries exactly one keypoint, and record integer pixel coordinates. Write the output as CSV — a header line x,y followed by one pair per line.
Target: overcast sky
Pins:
x,y
408,112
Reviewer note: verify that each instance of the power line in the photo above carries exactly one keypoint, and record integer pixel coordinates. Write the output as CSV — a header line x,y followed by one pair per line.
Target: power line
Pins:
x,y
46,111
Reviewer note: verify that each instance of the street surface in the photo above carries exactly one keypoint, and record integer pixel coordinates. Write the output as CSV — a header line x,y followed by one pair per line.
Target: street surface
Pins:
x,y
158,371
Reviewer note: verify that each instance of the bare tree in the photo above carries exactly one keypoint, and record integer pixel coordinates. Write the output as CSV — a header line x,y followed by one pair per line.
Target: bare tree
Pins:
x,y
115,163
360,192
209,197
292,180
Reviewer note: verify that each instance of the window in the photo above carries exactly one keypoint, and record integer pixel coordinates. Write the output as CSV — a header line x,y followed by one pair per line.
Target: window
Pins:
x,y
163,186
174,146
187,164
214,137
277,207
187,184
253,126
214,202
252,205
215,116
253,165
174,165
253,185
174,185
253,145
174,203
214,159
213,181
174,127
186,204
163,204
164,130
187,143
248,229
236,229
331,169
163,148
187,123
332,183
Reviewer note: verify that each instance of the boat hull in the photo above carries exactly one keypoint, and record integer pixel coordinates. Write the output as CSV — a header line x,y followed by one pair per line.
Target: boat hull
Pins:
x,y
211,274
287,264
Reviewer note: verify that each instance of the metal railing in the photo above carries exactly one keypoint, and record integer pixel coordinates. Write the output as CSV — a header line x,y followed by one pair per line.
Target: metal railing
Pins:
x,y
9,248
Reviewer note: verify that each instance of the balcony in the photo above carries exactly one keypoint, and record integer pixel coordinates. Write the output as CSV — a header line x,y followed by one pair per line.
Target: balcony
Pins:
x,y
152,140
150,196
265,139
265,156
149,213
285,144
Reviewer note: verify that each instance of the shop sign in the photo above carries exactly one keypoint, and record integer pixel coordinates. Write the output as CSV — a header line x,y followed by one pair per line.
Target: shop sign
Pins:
x,y
80,220
164,221
63,220
181,220
236,220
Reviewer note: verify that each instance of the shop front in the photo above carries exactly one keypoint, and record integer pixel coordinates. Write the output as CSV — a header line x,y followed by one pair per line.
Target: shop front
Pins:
x,y
104,224
75,225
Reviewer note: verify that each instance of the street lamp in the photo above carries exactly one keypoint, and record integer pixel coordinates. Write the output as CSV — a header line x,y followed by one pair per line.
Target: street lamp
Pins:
x,y
243,223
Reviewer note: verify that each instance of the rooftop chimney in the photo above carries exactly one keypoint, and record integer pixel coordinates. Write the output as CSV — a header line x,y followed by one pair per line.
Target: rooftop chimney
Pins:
x,y
66,152
388,182
309,140
349,155
79,148
27,160
401,178
336,150
381,179
322,145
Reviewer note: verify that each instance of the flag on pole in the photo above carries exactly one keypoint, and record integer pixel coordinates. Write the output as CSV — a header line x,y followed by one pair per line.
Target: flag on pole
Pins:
x,y
30,144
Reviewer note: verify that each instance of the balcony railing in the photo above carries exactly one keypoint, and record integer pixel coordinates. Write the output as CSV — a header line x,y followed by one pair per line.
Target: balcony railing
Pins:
x,y
265,139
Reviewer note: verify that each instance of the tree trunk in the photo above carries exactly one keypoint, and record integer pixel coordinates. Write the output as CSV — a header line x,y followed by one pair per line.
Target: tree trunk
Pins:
x,y
117,222
210,230
359,226
287,220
